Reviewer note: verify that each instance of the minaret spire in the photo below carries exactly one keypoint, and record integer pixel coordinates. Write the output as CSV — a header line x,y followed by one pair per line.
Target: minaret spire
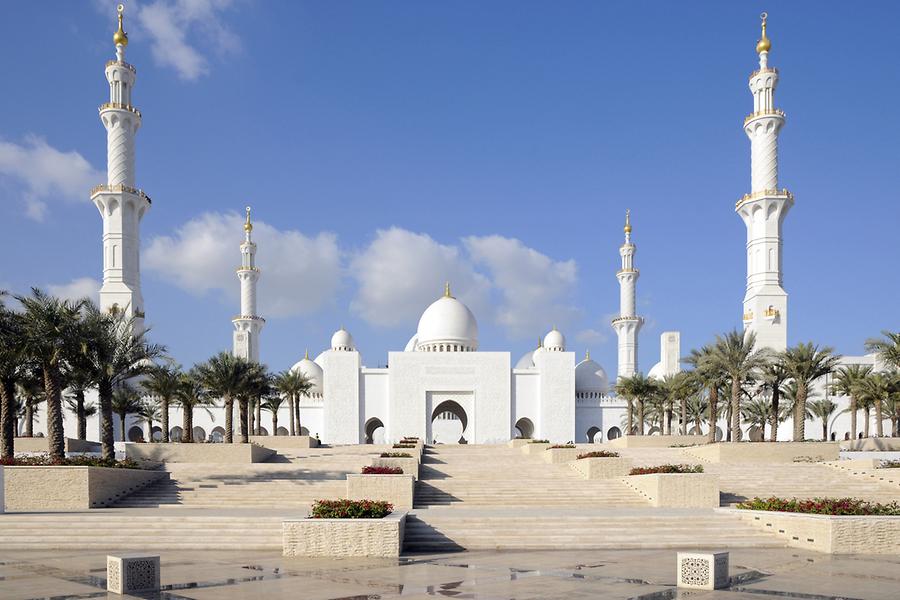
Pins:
x,y
248,325
627,324
763,210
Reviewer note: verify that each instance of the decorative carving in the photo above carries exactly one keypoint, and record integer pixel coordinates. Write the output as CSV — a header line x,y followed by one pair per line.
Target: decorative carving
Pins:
x,y
695,571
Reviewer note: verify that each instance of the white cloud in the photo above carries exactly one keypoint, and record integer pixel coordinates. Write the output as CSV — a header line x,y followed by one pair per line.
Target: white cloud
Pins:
x,y
536,291
45,173
300,274
591,336
82,287
401,272
177,28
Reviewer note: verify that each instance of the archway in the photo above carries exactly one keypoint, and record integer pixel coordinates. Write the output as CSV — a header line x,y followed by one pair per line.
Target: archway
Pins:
x,y
135,434
305,431
373,425
524,428
755,433
157,434
719,434
613,433
217,435
282,431
199,434
594,435
448,423
175,434
263,431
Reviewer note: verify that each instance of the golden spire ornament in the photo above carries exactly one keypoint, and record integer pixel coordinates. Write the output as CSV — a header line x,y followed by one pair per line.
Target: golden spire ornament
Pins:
x,y
627,220
447,290
763,45
120,37
248,226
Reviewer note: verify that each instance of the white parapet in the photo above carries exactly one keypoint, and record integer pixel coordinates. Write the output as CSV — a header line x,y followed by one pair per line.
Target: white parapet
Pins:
x,y
702,571
132,573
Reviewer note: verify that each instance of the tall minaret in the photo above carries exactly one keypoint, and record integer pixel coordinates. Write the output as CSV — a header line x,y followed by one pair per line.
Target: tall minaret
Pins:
x,y
764,208
627,324
248,324
121,204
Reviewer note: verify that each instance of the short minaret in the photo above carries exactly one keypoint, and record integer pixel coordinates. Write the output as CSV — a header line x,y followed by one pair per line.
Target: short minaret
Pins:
x,y
248,324
121,204
627,324
764,208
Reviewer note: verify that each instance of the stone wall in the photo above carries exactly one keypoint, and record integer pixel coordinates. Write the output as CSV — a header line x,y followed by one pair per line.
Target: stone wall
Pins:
x,y
534,449
764,452
825,533
42,444
285,441
410,466
561,455
655,441
603,468
199,453
396,489
344,537
677,490
71,488
872,445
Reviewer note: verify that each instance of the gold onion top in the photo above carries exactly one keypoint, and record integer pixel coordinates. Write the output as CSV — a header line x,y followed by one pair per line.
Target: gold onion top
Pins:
x,y
763,45
120,37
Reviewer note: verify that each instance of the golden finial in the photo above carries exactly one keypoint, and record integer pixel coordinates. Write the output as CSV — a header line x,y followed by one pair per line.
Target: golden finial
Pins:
x,y
248,226
540,342
120,37
763,45
447,290
306,356
587,354
627,220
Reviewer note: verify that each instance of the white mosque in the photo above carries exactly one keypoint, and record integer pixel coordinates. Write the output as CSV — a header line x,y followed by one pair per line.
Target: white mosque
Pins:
x,y
441,386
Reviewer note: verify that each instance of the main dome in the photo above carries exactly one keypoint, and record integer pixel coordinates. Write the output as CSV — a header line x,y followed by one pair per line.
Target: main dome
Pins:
x,y
447,326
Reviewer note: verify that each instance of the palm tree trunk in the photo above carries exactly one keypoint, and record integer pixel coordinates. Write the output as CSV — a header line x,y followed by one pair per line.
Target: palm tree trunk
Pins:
x,y
274,422
7,418
669,420
713,412
163,419
879,419
79,414
773,420
698,424
629,411
187,433
800,413
107,448
297,414
291,407
640,416
684,416
735,410
251,418
259,416
229,420
55,433
243,407
29,418
866,428
762,432
824,428
122,427
853,410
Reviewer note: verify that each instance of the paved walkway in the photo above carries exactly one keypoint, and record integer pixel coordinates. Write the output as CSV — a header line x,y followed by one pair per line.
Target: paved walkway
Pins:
x,y
597,574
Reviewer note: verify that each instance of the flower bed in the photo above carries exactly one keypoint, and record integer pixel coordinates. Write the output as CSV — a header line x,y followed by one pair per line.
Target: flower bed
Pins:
x,y
823,506
890,464
43,460
350,509
382,471
396,455
599,454
667,469
557,446
539,442
404,445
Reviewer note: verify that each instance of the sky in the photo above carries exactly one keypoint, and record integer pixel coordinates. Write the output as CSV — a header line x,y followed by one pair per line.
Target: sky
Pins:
x,y
387,147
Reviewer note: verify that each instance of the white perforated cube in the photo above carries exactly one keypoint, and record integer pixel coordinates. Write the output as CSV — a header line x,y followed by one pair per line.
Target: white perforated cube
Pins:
x,y
702,571
129,573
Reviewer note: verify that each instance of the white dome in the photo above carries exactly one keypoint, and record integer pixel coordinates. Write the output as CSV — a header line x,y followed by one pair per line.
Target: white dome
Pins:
x,y
527,361
312,371
590,377
657,372
555,341
342,340
447,325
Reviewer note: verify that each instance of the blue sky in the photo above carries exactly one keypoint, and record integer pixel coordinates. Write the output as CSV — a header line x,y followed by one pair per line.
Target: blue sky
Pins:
x,y
388,146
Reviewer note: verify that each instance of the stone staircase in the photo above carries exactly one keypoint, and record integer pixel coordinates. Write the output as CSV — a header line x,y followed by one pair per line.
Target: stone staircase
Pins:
x,y
888,479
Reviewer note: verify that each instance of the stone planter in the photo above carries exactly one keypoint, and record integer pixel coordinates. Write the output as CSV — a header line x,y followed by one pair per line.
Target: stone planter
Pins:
x,y
42,444
410,466
765,452
603,468
344,537
396,489
518,442
656,441
199,453
284,441
829,534
560,455
532,449
71,488
677,490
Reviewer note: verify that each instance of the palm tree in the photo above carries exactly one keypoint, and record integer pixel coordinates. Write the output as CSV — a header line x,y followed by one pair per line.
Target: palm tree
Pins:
x,y
31,393
224,375
50,340
708,375
11,370
125,401
78,382
757,412
774,378
192,393
696,410
846,382
893,403
256,384
162,382
293,384
887,349
640,389
876,389
83,411
115,351
805,363
823,409
148,413
678,388
273,404
734,355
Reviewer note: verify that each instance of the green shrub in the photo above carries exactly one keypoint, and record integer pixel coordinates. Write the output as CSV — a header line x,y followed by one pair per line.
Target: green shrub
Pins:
x,y
382,471
43,460
555,446
599,454
823,506
395,455
539,442
404,445
350,509
667,469
890,464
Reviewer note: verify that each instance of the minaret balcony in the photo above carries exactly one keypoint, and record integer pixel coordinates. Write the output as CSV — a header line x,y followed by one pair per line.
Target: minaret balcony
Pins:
x,y
119,106
771,313
119,188
241,269
248,318
775,112
620,271
763,70
121,63
627,319
748,316
783,194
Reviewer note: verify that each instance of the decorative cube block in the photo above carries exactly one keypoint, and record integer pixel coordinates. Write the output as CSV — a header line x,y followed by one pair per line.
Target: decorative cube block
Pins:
x,y
131,573
702,571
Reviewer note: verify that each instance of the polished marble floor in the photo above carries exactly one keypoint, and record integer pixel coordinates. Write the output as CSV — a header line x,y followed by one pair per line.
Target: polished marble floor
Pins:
x,y
483,575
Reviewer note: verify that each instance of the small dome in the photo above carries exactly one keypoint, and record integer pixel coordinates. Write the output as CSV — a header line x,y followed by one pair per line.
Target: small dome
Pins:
x,y
527,360
312,371
657,372
555,341
590,377
447,325
342,340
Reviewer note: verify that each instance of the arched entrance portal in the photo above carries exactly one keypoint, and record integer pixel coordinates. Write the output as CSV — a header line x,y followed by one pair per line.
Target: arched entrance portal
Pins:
x,y
448,423
613,433
524,428
594,435
372,426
